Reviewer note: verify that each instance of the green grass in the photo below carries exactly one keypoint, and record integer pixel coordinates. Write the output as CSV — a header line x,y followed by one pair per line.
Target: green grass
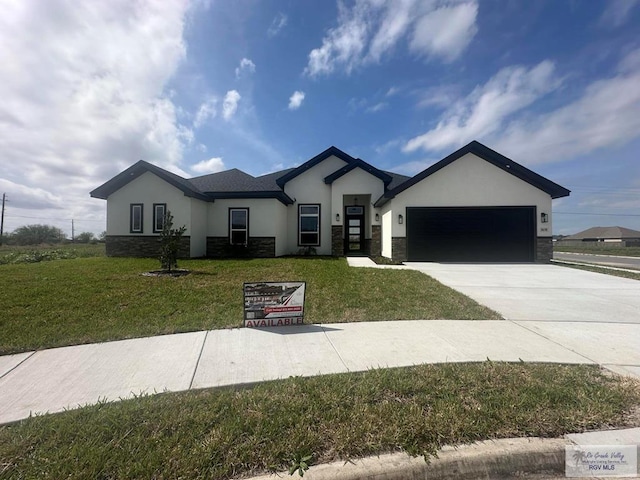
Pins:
x,y
220,434
623,251
87,300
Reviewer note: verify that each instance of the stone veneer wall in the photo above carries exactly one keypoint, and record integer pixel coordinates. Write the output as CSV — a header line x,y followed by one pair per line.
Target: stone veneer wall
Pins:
x,y
544,249
399,249
142,246
376,241
258,247
337,241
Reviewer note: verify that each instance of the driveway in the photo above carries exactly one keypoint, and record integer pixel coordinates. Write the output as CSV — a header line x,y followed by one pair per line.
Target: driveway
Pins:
x,y
592,314
542,292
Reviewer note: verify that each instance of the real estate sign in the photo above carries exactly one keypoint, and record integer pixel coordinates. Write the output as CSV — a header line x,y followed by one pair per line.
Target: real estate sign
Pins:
x,y
273,304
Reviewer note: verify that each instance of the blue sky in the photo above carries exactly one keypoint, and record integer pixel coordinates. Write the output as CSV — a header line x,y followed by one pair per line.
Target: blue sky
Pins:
x,y
89,88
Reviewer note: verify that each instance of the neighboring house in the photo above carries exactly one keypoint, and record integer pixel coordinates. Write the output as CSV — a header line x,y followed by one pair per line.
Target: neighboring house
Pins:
x,y
474,205
606,235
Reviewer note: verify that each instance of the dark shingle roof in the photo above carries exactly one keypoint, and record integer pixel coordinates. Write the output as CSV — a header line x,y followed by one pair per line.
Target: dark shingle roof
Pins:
x,y
605,233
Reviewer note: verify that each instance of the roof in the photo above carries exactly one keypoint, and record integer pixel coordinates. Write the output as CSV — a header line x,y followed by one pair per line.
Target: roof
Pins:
x,y
491,156
358,163
604,233
235,183
137,169
336,152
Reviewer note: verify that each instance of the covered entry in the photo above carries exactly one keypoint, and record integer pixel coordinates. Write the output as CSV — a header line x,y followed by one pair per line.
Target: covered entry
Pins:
x,y
471,234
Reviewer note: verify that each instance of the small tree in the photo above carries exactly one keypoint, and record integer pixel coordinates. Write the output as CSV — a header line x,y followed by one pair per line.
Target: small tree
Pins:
x,y
85,237
170,243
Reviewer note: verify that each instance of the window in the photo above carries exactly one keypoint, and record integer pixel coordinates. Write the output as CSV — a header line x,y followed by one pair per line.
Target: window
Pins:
x,y
135,218
159,212
309,225
238,226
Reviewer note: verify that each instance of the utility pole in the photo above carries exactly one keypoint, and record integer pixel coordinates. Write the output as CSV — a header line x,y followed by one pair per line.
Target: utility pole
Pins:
x,y
72,232
4,196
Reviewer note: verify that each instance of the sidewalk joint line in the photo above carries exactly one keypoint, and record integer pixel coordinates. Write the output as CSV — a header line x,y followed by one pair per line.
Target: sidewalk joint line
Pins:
x,y
18,364
334,347
553,341
195,370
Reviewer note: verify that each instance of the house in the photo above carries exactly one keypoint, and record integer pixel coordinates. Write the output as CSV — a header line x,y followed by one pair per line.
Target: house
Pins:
x,y
474,205
605,236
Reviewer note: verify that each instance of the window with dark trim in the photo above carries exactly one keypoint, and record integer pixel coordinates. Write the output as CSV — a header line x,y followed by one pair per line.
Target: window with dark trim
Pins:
x,y
159,212
135,218
238,226
309,224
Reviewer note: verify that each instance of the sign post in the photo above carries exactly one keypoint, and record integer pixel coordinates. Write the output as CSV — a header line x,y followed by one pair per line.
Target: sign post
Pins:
x,y
273,304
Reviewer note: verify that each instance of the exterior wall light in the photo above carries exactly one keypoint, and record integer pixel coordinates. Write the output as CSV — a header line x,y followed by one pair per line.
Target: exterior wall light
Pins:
x,y
400,219
337,217
544,218
377,217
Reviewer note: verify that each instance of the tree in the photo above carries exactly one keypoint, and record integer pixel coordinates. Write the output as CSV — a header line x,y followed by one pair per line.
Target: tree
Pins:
x,y
85,237
170,243
37,234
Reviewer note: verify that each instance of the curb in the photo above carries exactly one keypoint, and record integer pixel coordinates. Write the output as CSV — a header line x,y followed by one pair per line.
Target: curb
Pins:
x,y
482,460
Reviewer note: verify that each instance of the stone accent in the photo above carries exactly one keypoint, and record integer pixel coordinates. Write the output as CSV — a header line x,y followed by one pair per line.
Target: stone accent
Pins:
x,y
337,241
142,246
258,247
376,241
544,249
399,249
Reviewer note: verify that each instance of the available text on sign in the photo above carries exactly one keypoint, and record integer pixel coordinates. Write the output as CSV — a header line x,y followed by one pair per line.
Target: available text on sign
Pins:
x,y
273,304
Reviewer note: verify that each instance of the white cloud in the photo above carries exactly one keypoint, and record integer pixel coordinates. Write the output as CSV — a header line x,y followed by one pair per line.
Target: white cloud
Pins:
x,y
295,100
371,29
487,107
278,23
206,111
617,12
377,107
606,114
83,88
212,165
445,32
246,67
230,104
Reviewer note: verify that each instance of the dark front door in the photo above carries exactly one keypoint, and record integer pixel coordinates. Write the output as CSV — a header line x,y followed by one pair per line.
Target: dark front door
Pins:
x,y
354,229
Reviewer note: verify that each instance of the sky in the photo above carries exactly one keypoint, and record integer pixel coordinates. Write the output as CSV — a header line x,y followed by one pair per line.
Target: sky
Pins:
x,y
89,88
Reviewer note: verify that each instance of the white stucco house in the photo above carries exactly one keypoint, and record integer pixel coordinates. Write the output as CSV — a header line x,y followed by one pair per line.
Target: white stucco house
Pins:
x,y
474,205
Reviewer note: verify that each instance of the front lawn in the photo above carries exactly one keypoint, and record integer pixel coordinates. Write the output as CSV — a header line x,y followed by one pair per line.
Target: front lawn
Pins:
x,y
85,300
227,433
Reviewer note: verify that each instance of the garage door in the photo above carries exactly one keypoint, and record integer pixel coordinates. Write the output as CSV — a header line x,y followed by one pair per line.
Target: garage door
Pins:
x,y
471,234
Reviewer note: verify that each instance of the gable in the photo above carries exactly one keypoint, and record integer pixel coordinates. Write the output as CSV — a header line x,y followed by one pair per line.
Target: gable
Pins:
x,y
140,168
471,181
491,156
309,164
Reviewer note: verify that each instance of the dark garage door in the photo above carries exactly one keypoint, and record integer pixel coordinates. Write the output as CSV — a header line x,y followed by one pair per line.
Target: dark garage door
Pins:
x,y
471,234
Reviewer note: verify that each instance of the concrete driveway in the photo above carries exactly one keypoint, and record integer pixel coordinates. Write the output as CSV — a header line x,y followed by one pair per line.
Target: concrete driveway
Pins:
x,y
592,314
542,292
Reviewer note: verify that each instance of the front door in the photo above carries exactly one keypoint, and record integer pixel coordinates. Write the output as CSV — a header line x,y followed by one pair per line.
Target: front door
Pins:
x,y
354,230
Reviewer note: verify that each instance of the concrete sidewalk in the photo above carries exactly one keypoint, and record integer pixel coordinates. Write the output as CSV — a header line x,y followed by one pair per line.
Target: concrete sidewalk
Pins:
x,y
68,377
